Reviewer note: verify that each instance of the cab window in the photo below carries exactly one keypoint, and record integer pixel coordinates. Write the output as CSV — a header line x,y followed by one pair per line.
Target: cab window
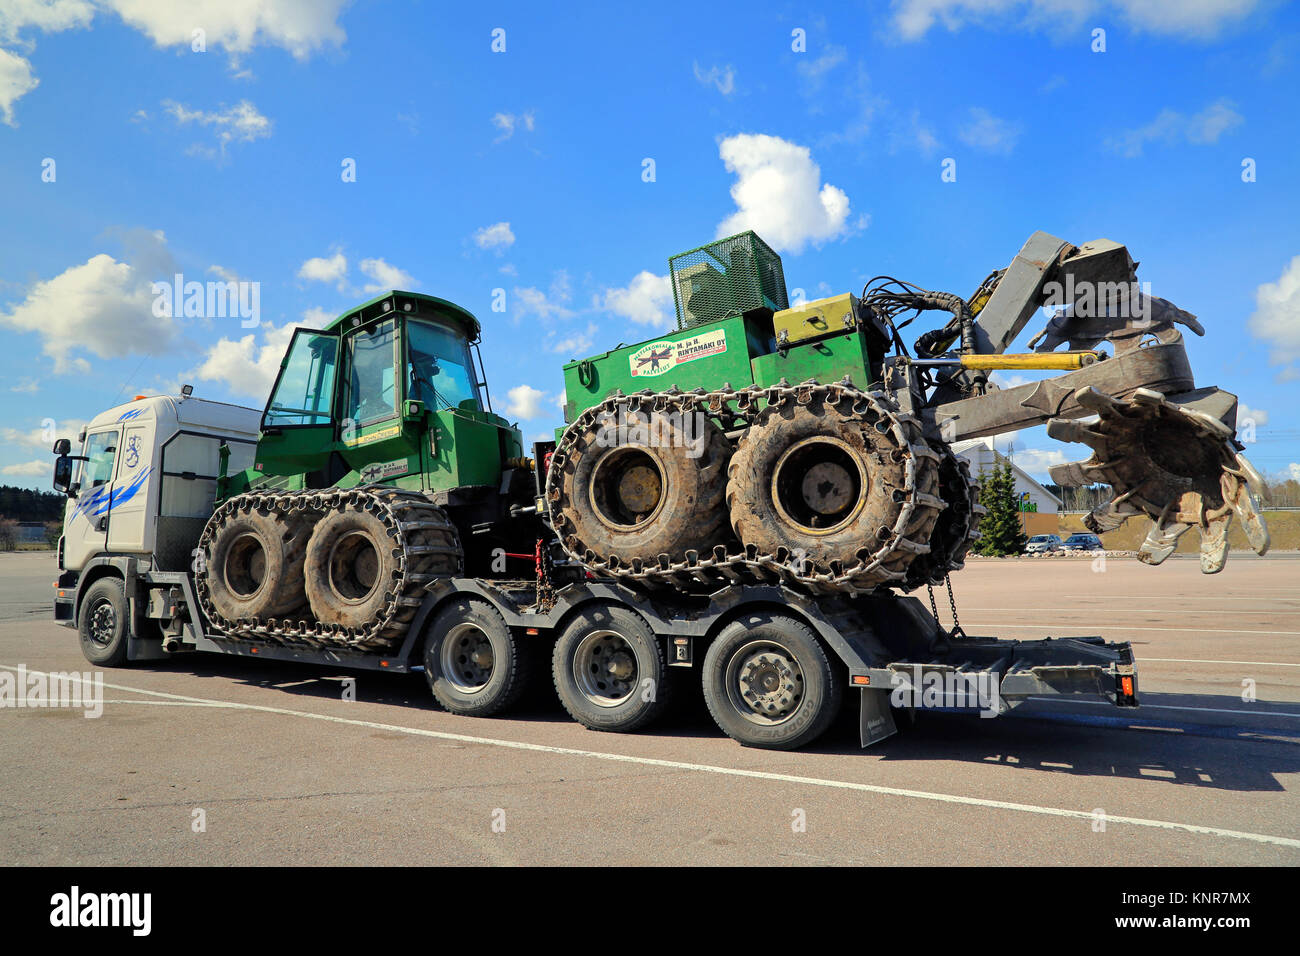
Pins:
x,y
438,366
101,451
372,385
306,385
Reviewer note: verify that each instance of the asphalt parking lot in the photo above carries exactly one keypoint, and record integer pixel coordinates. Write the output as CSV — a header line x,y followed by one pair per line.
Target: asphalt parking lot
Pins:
x,y
279,769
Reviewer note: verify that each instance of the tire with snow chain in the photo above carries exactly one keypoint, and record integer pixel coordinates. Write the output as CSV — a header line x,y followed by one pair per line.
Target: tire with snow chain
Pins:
x,y
957,526
254,565
835,484
629,495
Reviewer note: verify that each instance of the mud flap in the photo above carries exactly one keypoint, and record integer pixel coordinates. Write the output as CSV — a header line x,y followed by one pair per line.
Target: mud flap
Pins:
x,y
876,720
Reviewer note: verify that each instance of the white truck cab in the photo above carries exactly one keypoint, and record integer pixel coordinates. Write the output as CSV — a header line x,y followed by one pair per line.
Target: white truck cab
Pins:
x,y
142,488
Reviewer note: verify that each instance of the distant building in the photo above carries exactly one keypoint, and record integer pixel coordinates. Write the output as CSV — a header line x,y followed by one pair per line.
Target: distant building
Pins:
x,y
1043,505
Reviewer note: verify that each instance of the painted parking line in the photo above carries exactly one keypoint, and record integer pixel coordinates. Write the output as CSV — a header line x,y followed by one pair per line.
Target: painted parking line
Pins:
x,y
783,778
1199,710
1194,660
1121,627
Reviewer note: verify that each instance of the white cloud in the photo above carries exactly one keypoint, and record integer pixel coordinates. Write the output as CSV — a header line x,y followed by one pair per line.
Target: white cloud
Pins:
x,y
524,402
320,269
29,385
1245,413
576,344
1037,461
39,437
316,317
16,80
990,133
246,366
1200,19
1276,318
496,236
241,123
299,26
723,78
385,276
34,468
1171,127
779,193
103,306
1293,470
509,122
814,70
646,300
545,305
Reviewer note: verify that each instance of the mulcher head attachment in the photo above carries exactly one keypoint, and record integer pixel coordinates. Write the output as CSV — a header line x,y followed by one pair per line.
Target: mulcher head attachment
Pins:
x,y
1173,461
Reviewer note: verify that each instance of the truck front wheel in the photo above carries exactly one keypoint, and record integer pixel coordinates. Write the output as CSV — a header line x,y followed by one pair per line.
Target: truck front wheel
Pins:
x,y
768,682
474,665
104,624
610,671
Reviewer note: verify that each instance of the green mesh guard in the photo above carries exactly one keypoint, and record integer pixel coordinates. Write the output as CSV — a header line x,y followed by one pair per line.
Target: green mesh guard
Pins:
x,y
726,277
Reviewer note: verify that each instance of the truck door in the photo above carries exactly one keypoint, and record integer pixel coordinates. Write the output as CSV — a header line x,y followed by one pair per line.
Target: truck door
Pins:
x,y
85,532
131,490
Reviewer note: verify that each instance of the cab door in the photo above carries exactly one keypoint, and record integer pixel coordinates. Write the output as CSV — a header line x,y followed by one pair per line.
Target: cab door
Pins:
x,y
85,531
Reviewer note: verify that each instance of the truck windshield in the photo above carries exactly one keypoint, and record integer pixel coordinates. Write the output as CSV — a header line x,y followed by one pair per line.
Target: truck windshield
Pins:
x,y
438,367
101,448
306,385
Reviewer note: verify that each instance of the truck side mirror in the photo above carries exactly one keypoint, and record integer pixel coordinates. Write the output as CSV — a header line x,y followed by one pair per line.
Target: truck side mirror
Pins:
x,y
63,474
62,446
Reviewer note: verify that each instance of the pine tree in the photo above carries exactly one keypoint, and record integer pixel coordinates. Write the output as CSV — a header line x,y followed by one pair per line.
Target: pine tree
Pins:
x,y
1000,528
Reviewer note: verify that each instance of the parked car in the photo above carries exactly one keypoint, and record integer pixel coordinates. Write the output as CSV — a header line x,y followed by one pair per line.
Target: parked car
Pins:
x,y
1082,541
1043,542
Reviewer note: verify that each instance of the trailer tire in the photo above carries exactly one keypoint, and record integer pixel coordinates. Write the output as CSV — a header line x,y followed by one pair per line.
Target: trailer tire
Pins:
x,y
104,623
769,683
254,566
610,671
463,637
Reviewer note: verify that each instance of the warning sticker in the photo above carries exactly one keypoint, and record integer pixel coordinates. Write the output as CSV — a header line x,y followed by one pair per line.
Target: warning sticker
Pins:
x,y
656,358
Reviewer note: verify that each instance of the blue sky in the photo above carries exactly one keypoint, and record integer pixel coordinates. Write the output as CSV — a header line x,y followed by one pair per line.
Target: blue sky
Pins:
x,y
525,171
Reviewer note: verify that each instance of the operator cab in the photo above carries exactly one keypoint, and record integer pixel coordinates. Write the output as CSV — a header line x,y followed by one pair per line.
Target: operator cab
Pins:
x,y
428,339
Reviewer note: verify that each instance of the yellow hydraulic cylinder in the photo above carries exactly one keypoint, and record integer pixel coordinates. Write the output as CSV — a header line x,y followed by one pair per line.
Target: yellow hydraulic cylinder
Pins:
x,y
1030,360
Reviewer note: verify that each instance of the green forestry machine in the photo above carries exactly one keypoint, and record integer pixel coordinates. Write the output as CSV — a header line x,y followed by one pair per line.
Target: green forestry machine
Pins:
x,y
759,443
746,495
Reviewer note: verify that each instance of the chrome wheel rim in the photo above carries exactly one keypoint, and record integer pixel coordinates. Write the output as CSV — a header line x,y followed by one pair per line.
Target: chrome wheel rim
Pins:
x,y
605,668
466,658
765,683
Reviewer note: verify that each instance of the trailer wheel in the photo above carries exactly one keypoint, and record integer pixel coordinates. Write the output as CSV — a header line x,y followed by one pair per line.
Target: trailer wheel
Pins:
x,y
610,670
474,665
768,682
104,623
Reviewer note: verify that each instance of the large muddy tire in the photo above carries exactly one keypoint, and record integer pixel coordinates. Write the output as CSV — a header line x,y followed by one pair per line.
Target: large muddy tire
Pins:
x,y
610,670
353,566
474,664
769,683
627,498
254,566
104,623
957,527
834,485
